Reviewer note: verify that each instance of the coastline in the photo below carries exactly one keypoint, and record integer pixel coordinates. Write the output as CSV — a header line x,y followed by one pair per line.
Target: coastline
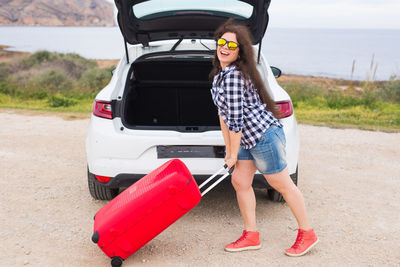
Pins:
x,y
287,49
318,100
9,55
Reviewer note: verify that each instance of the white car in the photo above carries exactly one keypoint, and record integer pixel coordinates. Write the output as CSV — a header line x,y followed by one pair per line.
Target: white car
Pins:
x,y
158,104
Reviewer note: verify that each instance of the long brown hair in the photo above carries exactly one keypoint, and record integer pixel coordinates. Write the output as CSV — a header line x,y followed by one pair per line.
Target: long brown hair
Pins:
x,y
245,62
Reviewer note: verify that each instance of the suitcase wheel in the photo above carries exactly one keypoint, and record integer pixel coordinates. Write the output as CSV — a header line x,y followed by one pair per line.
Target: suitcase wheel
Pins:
x,y
116,261
95,237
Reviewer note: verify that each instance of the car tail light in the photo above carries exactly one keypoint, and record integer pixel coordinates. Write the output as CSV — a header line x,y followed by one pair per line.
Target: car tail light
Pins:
x,y
102,109
284,109
102,179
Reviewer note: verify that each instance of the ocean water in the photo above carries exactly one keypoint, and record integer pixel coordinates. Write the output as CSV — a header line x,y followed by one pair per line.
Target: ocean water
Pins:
x,y
331,52
315,52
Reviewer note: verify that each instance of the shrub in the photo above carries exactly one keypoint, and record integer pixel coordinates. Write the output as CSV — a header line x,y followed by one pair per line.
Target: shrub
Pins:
x,y
53,81
59,100
3,78
43,55
369,97
34,60
318,102
303,91
73,65
336,100
311,95
94,80
391,90
46,73
4,72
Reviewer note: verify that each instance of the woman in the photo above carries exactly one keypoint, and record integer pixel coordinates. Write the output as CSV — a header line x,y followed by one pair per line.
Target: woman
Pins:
x,y
253,137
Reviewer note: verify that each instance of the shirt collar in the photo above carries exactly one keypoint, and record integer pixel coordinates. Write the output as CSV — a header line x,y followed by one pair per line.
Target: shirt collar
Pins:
x,y
228,69
222,73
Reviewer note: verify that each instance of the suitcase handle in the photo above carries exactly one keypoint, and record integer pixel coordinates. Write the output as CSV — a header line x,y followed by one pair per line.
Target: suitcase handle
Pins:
x,y
229,172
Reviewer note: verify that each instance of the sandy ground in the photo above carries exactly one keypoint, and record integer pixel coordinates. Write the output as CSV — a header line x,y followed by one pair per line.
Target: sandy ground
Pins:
x,y
350,180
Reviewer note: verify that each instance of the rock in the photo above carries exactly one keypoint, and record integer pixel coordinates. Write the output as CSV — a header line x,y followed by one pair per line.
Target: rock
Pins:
x,y
57,13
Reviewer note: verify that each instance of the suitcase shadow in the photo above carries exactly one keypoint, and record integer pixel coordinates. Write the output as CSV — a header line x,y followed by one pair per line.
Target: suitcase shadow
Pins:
x,y
223,199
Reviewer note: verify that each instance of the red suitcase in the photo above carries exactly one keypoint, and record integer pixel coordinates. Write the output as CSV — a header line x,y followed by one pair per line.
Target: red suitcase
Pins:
x,y
146,208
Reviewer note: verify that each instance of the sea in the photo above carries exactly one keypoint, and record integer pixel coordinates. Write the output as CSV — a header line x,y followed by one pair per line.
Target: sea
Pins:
x,y
357,54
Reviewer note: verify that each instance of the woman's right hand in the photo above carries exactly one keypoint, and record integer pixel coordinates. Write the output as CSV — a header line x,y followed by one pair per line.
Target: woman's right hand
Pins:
x,y
230,162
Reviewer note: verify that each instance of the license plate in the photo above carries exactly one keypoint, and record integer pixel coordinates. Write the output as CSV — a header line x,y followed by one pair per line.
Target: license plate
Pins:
x,y
190,152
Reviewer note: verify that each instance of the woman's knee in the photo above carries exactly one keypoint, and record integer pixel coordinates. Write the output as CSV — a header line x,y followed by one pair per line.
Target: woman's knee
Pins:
x,y
288,189
281,182
243,174
240,182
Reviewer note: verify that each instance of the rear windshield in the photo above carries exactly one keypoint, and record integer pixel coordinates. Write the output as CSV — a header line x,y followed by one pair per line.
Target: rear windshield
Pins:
x,y
162,8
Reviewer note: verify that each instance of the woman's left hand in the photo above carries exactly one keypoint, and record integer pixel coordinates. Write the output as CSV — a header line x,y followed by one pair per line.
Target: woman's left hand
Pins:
x,y
230,161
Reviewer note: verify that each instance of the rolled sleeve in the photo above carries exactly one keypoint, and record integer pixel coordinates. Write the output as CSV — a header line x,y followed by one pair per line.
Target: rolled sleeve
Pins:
x,y
234,84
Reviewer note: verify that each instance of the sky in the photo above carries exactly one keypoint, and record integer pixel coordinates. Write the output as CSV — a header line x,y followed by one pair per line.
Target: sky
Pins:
x,y
370,14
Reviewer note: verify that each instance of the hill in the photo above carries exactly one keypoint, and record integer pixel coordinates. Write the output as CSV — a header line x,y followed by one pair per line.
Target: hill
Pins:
x,y
56,13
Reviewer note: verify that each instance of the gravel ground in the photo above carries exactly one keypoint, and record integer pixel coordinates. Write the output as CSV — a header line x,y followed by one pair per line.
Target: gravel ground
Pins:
x,y
350,180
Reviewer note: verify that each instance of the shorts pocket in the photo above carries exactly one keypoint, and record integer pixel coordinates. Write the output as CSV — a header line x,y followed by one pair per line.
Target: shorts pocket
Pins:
x,y
281,135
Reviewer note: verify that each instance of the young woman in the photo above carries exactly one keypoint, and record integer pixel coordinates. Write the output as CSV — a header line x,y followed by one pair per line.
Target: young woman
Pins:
x,y
253,136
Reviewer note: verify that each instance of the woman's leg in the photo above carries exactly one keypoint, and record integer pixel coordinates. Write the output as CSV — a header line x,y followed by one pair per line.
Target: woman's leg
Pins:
x,y
242,179
306,237
292,195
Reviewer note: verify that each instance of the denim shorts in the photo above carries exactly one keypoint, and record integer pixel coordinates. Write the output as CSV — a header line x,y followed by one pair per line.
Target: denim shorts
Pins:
x,y
269,154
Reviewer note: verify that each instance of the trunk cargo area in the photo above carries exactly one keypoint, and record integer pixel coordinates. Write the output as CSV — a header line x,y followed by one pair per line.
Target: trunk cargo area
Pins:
x,y
170,92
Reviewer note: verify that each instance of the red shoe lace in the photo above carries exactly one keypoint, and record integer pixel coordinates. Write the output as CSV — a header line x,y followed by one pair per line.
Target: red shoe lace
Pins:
x,y
299,239
243,237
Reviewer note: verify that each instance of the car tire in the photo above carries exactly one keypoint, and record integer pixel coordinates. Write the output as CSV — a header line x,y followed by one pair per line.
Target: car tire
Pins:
x,y
275,195
98,191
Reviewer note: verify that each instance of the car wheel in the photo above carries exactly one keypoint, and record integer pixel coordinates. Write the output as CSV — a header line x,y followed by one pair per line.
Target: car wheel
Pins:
x,y
100,192
275,195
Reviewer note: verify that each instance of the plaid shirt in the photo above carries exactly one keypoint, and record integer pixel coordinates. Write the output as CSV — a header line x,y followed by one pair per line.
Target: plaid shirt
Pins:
x,y
240,106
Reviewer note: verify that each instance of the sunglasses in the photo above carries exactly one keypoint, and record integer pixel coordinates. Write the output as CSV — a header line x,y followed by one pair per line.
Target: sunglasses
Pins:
x,y
231,45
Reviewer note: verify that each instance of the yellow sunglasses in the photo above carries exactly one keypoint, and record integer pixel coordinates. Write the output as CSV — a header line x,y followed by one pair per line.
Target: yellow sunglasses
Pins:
x,y
231,45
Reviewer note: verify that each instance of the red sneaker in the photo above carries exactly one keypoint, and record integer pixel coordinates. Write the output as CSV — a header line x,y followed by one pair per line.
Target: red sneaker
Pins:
x,y
304,242
248,241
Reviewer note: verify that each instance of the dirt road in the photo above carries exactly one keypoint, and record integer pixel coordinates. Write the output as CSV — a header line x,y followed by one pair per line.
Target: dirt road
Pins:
x,y
350,180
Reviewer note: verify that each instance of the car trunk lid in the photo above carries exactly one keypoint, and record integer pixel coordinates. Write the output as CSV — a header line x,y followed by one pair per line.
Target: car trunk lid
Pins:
x,y
142,21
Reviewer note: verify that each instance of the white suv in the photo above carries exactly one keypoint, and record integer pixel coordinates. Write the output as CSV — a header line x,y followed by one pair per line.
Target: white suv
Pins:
x,y
158,104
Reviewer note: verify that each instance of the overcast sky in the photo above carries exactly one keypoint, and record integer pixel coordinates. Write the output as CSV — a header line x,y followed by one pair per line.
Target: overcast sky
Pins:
x,y
335,13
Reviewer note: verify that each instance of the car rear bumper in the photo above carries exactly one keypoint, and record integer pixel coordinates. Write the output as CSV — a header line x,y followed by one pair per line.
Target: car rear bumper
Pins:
x,y
125,180
113,152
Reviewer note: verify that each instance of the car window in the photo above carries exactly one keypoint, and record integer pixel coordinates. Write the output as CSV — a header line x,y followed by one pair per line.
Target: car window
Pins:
x,y
161,8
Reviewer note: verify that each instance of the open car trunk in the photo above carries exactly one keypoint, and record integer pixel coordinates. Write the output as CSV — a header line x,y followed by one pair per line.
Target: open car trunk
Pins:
x,y
170,91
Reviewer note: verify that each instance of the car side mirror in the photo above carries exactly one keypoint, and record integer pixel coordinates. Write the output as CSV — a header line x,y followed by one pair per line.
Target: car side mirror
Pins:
x,y
277,72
